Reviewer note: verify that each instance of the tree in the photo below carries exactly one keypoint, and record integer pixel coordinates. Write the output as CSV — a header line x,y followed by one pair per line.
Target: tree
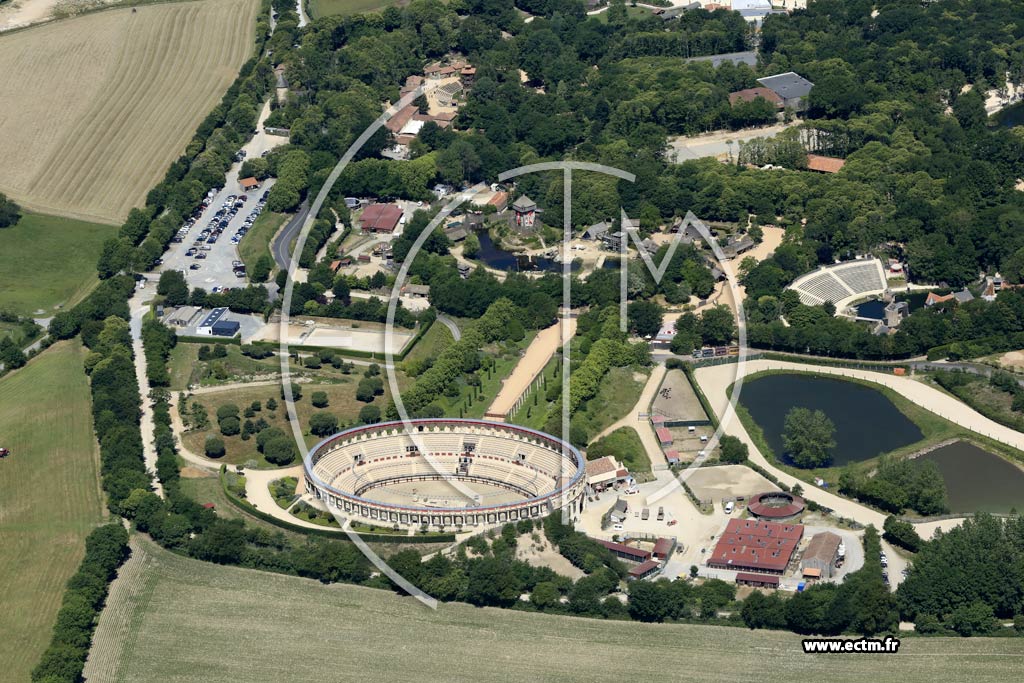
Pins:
x,y
279,450
10,213
323,424
319,399
717,326
173,288
733,450
11,357
369,414
808,437
230,426
545,594
644,318
214,447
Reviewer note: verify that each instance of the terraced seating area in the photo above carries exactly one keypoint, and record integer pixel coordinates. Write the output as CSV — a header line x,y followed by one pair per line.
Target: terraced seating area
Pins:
x,y
840,281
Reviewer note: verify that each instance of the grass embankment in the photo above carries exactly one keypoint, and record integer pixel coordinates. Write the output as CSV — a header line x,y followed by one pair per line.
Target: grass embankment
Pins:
x,y
625,445
237,624
934,429
49,498
256,242
47,261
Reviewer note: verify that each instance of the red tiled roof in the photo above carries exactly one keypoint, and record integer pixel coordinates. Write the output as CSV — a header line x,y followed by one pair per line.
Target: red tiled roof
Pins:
x,y
747,577
641,555
662,547
249,182
401,117
761,509
751,94
644,567
822,164
380,217
664,436
757,545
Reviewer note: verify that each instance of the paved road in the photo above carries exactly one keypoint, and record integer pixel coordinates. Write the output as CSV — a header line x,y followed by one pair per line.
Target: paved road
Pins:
x,y
450,324
281,245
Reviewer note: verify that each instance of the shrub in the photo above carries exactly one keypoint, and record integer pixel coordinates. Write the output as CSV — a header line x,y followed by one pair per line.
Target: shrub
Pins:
x,y
319,399
323,424
279,450
214,447
230,426
227,410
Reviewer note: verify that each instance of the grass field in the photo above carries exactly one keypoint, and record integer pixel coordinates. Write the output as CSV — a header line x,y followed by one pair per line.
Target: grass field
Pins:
x,y
93,109
47,260
325,8
49,498
256,242
170,618
342,403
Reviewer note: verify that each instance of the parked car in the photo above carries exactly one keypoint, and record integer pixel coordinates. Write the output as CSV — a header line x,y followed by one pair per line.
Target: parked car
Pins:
x,y
195,266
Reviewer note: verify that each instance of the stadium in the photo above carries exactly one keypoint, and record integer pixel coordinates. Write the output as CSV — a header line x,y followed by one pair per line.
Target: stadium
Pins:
x,y
446,473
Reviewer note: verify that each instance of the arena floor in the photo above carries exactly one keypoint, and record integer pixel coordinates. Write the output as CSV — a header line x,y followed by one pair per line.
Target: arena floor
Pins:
x,y
727,481
441,494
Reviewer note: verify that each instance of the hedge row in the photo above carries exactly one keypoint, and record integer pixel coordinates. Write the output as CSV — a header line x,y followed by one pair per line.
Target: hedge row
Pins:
x,y
106,549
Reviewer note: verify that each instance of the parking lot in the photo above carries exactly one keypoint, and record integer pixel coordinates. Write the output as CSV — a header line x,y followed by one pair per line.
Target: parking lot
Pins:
x,y
205,248
216,267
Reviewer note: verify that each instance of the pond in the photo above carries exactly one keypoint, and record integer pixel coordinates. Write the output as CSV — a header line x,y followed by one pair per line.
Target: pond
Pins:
x,y
495,257
875,308
867,423
977,480
1011,116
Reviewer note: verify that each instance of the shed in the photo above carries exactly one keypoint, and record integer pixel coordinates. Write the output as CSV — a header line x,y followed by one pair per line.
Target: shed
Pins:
x,y
757,580
821,554
249,184
664,436
644,569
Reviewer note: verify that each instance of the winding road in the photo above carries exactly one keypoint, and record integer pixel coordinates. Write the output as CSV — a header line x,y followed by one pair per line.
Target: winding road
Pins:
x,y
280,246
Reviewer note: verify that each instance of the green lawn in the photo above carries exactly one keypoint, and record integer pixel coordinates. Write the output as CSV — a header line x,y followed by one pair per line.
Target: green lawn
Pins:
x,y
46,261
625,444
619,391
430,345
325,8
49,498
171,618
257,241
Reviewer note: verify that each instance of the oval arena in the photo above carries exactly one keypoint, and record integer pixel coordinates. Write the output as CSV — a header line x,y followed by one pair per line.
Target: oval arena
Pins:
x,y
446,472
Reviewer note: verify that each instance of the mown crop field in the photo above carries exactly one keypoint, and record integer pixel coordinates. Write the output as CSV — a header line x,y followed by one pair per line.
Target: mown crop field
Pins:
x,y
49,498
46,261
94,109
170,618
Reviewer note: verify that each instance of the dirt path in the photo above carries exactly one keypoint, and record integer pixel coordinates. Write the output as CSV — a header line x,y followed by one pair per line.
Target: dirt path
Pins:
x,y
138,309
641,425
537,355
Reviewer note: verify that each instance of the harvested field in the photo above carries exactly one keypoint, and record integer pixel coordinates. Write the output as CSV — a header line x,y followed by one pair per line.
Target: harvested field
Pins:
x,y
93,109
49,498
182,620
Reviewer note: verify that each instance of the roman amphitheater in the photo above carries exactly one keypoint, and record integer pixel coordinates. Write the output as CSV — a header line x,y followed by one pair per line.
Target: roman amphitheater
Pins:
x,y
841,283
444,473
